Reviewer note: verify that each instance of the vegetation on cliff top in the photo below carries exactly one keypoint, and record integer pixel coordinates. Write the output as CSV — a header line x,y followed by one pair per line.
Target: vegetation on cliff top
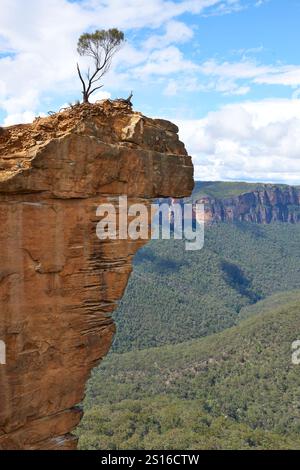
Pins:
x,y
226,189
99,46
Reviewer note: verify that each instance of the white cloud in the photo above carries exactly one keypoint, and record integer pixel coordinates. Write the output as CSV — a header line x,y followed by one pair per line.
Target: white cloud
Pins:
x,y
41,38
19,118
250,71
232,78
172,88
176,31
169,60
228,7
234,70
129,14
100,95
259,3
247,141
285,75
229,87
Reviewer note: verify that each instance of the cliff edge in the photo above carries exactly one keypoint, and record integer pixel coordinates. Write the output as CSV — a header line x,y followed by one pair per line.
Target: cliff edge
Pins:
x,y
58,282
264,205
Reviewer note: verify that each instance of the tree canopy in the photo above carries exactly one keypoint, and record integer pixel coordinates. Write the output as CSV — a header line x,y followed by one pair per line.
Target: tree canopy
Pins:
x,y
100,46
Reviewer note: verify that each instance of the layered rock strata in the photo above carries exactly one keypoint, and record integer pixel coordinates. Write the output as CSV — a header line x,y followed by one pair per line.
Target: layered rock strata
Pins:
x,y
59,283
271,204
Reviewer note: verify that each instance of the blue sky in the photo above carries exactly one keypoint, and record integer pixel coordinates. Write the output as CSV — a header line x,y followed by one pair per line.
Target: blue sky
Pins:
x,y
226,71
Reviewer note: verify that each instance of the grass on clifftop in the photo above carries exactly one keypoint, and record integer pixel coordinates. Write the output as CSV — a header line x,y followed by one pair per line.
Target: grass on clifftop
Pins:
x,y
223,189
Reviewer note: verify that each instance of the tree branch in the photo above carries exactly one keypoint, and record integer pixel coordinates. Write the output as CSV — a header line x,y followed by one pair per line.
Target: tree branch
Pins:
x,y
101,47
81,79
94,89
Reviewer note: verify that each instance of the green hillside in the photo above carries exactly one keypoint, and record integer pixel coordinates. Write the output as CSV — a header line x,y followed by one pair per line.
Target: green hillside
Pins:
x,y
273,302
236,389
224,189
174,295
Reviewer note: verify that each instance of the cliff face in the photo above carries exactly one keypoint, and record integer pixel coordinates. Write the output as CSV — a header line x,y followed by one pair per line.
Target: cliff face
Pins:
x,y
58,282
263,206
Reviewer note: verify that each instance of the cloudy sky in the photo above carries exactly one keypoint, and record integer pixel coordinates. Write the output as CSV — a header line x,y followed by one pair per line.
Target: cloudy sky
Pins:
x,y
226,71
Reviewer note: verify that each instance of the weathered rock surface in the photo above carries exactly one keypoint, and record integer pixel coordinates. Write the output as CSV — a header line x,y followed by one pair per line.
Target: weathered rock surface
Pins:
x,y
58,282
271,204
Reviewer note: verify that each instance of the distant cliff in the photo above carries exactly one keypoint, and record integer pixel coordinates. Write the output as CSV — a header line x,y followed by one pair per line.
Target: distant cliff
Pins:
x,y
59,283
263,205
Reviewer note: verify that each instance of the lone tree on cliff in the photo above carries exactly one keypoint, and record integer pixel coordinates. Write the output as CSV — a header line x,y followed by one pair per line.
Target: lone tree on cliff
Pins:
x,y
101,46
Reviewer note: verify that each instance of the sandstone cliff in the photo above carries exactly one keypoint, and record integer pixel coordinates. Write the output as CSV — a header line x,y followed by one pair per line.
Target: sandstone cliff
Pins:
x,y
58,282
269,204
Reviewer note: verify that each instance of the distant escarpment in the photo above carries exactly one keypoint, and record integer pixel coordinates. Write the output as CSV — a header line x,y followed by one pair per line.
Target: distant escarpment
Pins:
x,y
59,283
262,205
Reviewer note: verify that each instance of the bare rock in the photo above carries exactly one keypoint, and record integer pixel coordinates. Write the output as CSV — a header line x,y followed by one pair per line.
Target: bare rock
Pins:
x,y
59,283
270,204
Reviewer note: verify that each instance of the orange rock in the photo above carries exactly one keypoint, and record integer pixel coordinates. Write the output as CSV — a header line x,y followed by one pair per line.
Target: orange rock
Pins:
x,y
58,282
